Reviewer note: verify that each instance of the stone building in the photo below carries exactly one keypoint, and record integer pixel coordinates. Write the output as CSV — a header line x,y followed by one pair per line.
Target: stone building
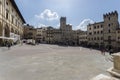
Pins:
x,y
41,35
103,34
64,36
82,38
11,21
29,32
74,37
111,24
118,38
95,34
66,31
50,35
57,36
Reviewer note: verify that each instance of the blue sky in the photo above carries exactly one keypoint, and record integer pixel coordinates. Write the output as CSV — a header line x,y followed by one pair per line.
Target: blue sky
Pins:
x,y
78,12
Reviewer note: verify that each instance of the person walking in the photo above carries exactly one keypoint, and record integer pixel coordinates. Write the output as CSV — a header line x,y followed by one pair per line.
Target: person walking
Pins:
x,y
9,45
111,51
103,52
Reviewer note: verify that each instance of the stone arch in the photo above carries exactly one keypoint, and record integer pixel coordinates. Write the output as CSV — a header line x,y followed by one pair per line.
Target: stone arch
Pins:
x,y
12,30
7,31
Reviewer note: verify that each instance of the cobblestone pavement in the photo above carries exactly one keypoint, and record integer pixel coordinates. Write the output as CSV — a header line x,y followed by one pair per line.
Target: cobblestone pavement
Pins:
x,y
51,62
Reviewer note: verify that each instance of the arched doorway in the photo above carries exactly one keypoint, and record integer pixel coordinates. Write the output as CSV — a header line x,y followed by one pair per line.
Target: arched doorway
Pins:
x,y
7,31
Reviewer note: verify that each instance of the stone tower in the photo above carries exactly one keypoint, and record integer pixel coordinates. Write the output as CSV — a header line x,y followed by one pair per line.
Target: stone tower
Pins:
x,y
110,25
62,23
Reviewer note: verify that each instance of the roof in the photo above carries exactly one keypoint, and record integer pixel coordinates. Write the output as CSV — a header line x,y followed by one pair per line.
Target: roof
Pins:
x,y
95,23
16,8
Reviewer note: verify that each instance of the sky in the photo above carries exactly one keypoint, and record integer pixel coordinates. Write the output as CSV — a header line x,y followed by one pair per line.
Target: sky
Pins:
x,y
79,13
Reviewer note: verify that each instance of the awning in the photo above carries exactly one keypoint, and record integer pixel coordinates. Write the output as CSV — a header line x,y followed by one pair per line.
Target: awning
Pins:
x,y
1,37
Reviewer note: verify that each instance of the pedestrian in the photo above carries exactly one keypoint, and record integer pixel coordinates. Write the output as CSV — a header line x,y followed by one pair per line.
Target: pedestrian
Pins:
x,y
111,51
103,52
9,45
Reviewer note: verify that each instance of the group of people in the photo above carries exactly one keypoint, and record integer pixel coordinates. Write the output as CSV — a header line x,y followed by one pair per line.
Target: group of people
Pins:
x,y
104,50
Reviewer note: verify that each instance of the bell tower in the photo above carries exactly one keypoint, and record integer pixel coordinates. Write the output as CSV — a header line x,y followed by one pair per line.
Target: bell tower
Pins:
x,y
62,23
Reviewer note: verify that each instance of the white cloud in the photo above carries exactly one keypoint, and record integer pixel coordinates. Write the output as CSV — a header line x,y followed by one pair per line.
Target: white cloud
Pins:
x,y
48,15
58,25
41,25
84,23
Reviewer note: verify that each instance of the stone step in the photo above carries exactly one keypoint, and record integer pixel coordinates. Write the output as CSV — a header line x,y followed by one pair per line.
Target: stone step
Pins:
x,y
104,77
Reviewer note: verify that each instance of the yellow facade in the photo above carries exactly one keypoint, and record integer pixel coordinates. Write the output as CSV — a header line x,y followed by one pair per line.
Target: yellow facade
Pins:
x,y
11,21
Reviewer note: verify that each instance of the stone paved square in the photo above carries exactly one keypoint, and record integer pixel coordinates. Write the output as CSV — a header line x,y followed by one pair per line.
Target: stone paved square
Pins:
x,y
51,62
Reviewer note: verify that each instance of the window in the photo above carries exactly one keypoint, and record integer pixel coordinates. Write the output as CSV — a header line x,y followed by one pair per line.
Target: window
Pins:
x,y
95,38
89,28
101,38
109,18
6,3
91,38
118,37
94,32
98,32
101,26
90,33
109,31
7,14
101,32
95,27
109,25
98,38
